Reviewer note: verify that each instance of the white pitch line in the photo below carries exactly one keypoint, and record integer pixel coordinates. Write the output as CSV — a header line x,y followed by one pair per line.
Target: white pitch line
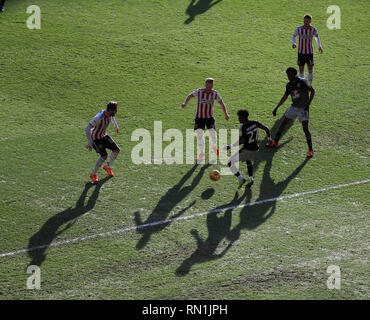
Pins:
x,y
110,233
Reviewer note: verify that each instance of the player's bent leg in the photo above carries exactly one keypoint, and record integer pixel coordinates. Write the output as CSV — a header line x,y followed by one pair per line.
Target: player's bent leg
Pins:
x,y
231,163
308,138
301,71
250,173
98,164
280,131
310,74
213,135
200,141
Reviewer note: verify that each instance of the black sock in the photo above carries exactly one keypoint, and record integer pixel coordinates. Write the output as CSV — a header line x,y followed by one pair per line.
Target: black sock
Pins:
x,y
250,168
309,143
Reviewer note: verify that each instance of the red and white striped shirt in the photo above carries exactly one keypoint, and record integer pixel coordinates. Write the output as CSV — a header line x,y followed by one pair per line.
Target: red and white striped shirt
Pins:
x,y
99,124
305,39
205,102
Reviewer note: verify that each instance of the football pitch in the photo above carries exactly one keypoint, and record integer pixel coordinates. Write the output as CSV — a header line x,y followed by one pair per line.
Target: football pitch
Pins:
x,y
161,230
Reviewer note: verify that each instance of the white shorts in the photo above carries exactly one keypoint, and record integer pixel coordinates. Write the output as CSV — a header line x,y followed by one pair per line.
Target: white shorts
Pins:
x,y
294,112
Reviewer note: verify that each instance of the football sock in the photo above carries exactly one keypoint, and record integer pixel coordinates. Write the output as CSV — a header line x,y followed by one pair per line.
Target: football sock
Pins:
x,y
302,75
212,133
250,168
234,170
200,139
310,76
112,157
309,143
98,164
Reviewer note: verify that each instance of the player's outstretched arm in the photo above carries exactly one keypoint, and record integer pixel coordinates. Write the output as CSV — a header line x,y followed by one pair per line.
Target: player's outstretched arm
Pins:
x,y
116,128
236,143
294,37
187,100
317,39
223,107
283,99
267,130
88,136
312,94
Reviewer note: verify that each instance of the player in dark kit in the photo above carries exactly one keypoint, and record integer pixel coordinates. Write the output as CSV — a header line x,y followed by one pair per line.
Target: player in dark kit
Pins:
x,y
299,90
248,136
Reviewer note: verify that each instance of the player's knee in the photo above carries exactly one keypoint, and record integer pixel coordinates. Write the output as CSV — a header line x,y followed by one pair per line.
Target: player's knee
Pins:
x,y
117,150
104,157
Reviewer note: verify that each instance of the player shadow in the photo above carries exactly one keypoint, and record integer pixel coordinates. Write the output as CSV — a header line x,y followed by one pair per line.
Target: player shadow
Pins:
x,y
42,239
198,8
165,205
218,225
251,216
266,154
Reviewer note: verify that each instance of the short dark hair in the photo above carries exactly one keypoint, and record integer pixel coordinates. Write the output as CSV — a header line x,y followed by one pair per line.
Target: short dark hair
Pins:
x,y
112,105
307,16
292,71
244,113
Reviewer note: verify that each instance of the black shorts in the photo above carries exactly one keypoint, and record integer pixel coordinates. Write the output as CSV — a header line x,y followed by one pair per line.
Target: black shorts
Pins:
x,y
100,145
201,123
305,58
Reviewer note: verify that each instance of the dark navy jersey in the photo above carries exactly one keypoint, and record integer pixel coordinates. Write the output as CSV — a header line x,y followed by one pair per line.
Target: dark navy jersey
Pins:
x,y
298,89
249,132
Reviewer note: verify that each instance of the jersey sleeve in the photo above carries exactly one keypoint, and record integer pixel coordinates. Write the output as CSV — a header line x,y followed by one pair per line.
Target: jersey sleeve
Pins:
x,y
218,97
288,90
195,93
93,122
114,122
306,82
295,32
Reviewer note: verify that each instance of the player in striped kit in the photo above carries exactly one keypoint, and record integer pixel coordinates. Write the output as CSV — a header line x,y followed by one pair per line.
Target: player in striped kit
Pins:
x,y
204,115
305,49
99,140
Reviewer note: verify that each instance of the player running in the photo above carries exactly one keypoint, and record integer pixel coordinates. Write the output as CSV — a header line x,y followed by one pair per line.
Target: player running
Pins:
x,y
305,49
248,138
204,115
299,90
99,140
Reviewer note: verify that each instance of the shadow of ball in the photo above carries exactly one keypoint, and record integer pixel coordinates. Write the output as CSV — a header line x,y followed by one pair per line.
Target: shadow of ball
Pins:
x,y
206,194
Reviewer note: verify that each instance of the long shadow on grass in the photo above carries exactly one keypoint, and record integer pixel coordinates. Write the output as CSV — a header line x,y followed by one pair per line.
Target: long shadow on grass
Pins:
x,y
162,210
218,224
40,241
198,8
251,216
219,227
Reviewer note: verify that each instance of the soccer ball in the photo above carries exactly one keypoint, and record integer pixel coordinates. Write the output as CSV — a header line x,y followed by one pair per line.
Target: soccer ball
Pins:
x,y
215,175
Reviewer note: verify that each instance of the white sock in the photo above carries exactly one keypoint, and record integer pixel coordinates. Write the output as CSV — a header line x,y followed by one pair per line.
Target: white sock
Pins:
x,y
112,157
200,140
213,135
302,75
310,76
98,164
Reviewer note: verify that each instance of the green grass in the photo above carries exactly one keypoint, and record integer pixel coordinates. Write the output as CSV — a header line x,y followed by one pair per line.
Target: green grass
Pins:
x,y
144,55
